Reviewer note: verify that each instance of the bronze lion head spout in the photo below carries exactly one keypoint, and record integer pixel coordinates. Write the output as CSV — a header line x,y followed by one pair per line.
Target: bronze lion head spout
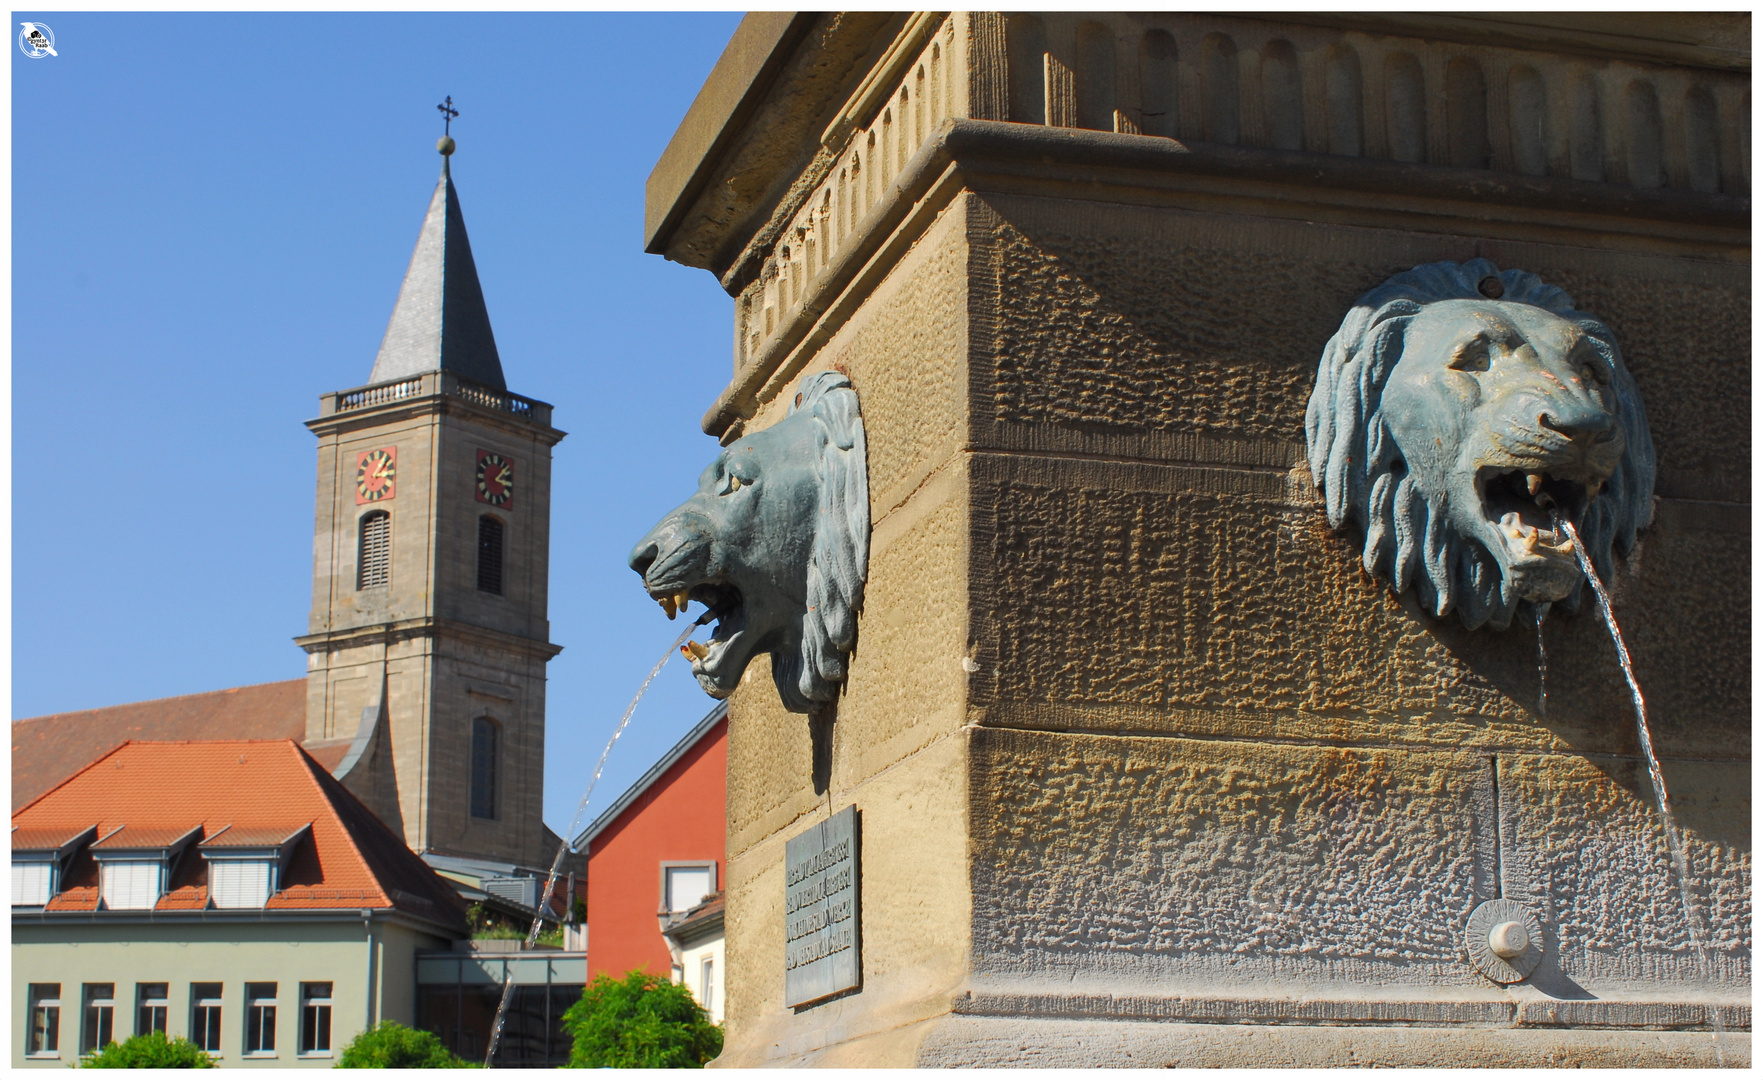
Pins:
x,y
776,544
1458,410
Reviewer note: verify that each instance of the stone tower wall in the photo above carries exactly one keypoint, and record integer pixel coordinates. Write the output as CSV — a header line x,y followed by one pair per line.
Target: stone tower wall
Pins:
x,y
444,652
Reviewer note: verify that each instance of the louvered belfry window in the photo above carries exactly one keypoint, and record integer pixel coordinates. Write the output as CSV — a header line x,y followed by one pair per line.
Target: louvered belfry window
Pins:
x,y
485,734
374,568
489,555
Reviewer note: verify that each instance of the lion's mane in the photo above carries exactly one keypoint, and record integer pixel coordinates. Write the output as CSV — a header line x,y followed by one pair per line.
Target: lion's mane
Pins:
x,y
839,561
1408,535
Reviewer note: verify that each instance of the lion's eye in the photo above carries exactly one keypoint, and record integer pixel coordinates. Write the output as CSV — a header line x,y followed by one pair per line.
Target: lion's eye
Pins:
x,y
1472,355
1592,373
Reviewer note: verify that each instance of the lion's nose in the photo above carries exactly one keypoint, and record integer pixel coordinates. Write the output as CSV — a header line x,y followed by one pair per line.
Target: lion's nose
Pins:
x,y
1579,423
643,555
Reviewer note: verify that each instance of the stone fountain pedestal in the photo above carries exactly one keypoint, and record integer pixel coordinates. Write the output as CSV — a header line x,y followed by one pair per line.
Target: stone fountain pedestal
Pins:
x,y
1148,771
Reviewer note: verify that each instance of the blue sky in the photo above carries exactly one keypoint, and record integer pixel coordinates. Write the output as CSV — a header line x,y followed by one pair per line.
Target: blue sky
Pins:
x,y
211,217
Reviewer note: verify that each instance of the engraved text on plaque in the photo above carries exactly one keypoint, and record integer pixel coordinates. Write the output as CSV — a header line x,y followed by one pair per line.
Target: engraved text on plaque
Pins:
x,y
821,947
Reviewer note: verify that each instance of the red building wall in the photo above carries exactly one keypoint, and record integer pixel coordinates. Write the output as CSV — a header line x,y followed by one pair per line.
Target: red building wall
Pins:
x,y
680,817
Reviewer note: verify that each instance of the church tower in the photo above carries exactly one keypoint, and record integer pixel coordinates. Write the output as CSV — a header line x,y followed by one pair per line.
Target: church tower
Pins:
x,y
428,636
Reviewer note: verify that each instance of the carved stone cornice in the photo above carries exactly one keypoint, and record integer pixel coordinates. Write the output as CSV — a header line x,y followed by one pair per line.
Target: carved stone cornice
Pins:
x,y
991,156
434,393
433,628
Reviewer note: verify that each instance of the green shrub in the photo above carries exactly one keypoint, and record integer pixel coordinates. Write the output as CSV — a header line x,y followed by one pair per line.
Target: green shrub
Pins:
x,y
639,1022
150,1051
391,1045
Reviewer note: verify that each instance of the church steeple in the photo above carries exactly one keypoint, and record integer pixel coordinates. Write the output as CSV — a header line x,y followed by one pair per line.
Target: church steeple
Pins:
x,y
440,322
429,631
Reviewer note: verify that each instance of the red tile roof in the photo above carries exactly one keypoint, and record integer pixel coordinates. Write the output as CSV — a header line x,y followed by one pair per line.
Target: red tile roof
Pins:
x,y
45,839
145,837
48,749
350,859
251,838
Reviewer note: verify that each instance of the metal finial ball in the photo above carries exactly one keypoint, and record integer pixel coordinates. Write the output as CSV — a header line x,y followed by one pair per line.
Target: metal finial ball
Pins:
x,y
446,145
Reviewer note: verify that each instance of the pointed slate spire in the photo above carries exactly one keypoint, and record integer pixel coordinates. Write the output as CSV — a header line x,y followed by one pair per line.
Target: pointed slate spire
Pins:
x,y
440,322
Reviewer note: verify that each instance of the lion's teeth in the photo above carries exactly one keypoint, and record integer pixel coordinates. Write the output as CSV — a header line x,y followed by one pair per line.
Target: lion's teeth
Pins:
x,y
682,598
668,606
1534,481
695,650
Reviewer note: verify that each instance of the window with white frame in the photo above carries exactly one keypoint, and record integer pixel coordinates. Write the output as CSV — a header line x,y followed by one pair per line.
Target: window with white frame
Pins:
x,y
98,1017
152,1007
315,1018
685,885
240,883
260,1019
43,1035
130,884
205,1016
707,984
33,882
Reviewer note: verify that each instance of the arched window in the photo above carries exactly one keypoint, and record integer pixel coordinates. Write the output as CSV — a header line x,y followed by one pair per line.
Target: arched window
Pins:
x,y
373,565
486,737
489,555
1157,83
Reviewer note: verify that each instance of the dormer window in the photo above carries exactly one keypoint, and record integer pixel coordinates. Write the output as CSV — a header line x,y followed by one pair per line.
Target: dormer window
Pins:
x,y
135,864
38,858
245,866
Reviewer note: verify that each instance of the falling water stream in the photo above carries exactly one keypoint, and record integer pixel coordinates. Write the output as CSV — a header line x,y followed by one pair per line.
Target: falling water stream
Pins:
x,y
1673,838
1542,612
532,935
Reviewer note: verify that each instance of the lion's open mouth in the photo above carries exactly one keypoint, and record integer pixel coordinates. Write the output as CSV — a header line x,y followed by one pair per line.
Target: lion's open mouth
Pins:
x,y
1521,504
722,603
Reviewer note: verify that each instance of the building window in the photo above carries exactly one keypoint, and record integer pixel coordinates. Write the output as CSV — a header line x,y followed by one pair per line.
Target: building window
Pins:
x,y
260,1018
205,1016
98,1027
32,883
707,985
239,883
489,555
130,884
152,1007
374,566
685,885
44,1037
485,735
315,1018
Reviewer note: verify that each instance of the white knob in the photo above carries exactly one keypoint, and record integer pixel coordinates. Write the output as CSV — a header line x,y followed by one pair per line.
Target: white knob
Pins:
x,y
1508,939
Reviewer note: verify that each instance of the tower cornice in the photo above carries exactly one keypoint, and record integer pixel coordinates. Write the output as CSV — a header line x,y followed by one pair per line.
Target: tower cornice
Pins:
x,y
432,627
433,392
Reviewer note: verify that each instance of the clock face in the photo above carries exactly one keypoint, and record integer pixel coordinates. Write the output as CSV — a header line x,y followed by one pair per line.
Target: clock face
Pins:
x,y
376,475
495,479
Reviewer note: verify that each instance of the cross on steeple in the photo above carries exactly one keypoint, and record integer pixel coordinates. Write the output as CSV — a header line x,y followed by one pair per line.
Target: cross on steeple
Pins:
x,y
448,111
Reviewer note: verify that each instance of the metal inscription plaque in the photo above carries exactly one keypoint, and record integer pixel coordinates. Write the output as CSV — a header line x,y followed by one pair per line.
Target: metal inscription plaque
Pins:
x,y
822,953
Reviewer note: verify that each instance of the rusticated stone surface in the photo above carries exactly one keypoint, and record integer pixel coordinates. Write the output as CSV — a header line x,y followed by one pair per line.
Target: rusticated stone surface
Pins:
x,y
1200,868
1585,849
1220,863
1157,321
1154,590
